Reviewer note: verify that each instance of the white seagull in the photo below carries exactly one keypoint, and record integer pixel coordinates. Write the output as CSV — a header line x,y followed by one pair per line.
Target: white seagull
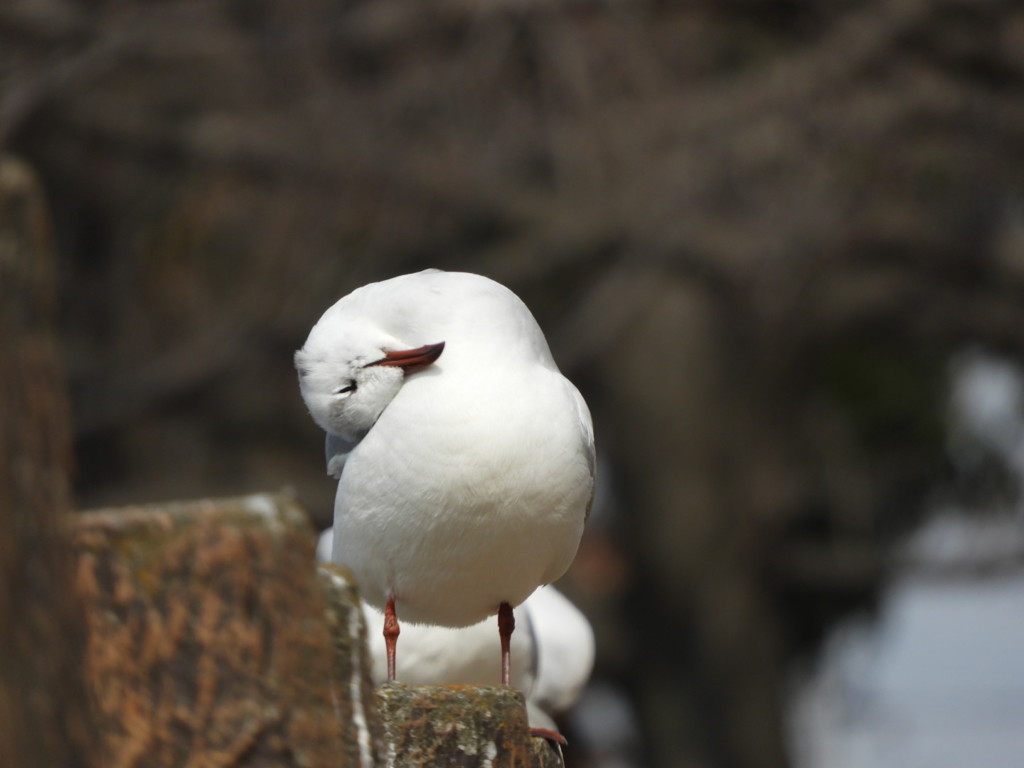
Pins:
x,y
466,459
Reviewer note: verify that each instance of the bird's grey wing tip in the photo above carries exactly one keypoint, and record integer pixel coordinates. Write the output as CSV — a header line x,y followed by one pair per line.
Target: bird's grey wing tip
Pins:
x,y
336,450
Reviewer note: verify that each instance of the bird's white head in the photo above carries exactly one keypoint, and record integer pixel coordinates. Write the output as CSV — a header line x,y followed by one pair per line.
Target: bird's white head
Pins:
x,y
357,356
348,375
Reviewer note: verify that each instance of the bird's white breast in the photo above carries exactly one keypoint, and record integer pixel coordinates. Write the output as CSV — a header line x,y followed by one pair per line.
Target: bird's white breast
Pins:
x,y
468,492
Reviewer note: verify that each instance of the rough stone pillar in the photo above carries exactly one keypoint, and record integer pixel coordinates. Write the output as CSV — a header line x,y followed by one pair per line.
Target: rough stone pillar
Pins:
x,y
208,644
43,706
467,726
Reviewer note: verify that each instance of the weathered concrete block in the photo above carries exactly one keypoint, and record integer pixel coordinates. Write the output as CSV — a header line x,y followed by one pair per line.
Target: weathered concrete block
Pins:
x,y
208,644
459,725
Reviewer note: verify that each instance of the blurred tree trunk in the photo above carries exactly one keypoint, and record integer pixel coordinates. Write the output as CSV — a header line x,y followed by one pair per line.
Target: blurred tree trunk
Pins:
x,y
708,672
43,704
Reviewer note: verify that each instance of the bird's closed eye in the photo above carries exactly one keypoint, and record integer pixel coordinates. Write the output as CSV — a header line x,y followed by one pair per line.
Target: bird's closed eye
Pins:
x,y
346,388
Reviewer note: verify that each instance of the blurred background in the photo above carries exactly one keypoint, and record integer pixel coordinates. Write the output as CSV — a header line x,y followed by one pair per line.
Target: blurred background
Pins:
x,y
778,244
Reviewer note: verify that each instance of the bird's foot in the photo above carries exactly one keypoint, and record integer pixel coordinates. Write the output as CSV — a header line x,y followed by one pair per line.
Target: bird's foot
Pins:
x,y
553,736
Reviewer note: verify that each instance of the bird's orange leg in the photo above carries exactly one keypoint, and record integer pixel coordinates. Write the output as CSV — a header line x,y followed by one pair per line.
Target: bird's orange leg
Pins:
x,y
506,623
391,632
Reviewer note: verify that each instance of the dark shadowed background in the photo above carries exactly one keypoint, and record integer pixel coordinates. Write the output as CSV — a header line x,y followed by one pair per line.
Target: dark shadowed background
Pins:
x,y
755,233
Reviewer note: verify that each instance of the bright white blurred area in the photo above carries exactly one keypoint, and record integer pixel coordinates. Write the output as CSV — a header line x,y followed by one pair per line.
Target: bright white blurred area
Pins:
x,y
936,680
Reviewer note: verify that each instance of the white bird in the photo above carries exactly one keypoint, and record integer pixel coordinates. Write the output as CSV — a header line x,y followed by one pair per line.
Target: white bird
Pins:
x,y
466,459
551,663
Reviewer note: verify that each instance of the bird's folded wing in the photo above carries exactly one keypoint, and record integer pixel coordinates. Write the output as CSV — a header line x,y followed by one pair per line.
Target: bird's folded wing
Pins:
x,y
587,429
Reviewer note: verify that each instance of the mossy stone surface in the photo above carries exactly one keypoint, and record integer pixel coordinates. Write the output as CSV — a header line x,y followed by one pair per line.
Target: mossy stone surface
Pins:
x,y
465,726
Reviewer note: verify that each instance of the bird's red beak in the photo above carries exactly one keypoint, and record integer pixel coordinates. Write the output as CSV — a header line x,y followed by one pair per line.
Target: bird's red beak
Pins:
x,y
411,360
